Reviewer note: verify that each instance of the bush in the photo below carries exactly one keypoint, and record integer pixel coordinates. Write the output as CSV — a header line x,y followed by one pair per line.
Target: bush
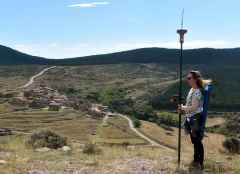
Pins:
x,y
125,143
46,138
91,148
144,112
169,119
232,145
136,123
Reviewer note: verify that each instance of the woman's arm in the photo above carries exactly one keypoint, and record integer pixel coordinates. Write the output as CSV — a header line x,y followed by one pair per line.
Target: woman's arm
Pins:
x,y
195,102
193,107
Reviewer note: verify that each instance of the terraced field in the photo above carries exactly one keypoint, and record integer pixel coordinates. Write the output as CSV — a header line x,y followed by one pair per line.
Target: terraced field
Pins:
x,y
77,126
72,124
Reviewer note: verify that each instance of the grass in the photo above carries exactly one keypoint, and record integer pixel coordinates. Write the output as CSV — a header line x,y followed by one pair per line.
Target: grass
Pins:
x,y
215,121
22,158
72,124
81,129
236,166
170,137
217,159
117,131
12,77
5,108
159,134
218,168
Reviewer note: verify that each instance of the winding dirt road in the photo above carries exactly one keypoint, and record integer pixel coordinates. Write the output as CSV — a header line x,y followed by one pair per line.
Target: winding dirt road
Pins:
x,y
31,81
151,142
131,126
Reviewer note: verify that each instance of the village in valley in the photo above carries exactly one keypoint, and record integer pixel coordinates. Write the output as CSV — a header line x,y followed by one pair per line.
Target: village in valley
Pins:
x,y
46,98
42,97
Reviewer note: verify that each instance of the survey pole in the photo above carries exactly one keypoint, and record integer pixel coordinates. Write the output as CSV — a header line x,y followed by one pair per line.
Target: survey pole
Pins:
x,y
181,33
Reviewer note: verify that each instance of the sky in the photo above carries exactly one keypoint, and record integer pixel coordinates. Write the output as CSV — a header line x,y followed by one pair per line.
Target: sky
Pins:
x,y
73,28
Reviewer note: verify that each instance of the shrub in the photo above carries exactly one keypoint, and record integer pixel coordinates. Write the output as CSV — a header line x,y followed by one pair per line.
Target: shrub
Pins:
x,y
136,123
91,148
144,112
232,145
46,138
167,118
71,90
125,143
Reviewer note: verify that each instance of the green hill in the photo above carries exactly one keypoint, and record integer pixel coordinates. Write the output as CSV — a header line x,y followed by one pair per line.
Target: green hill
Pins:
x,y
161,55
9,56
204,56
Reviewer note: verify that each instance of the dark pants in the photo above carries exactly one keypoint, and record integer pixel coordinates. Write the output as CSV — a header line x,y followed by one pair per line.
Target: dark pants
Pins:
x,y
196,139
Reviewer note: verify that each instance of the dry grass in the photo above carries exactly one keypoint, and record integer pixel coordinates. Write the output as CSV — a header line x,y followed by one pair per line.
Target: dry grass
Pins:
x,y
117,131
12,77
115,159
215,121
112,159
217,159
72,124
4,108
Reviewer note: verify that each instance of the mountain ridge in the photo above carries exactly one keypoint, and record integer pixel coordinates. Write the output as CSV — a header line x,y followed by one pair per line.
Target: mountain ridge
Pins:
x,y
10,56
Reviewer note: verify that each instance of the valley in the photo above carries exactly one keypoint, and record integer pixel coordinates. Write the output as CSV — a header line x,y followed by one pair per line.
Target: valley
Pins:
x,y
126,139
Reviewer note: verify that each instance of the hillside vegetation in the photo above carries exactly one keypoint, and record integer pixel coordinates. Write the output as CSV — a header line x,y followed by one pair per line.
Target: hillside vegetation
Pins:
x,y
149,84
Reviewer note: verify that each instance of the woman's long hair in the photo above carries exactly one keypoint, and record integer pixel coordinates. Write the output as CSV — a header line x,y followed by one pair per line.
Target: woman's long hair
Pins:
x,y
201,83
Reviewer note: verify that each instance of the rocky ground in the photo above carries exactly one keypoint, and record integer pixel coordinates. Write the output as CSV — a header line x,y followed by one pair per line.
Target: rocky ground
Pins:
x,y
130,166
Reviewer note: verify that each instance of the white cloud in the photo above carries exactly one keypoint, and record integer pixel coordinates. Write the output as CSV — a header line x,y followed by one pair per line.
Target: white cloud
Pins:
x,y
58,50
89,5
101,3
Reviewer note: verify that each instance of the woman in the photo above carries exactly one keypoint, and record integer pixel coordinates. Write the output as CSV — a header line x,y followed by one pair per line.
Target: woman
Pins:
x,y
193,110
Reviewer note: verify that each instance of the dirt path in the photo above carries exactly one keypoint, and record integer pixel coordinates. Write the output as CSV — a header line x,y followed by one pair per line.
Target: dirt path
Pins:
x,y
131,126
152,142
31,81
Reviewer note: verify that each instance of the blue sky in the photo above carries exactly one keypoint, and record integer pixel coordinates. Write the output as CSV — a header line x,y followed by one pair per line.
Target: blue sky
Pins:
x,y
69,28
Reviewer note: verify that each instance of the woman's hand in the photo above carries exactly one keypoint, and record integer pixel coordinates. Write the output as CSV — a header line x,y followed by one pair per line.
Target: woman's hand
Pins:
x,y
180,109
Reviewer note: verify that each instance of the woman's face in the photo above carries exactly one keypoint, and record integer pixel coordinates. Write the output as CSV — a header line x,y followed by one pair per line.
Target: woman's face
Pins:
x,y
190,79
